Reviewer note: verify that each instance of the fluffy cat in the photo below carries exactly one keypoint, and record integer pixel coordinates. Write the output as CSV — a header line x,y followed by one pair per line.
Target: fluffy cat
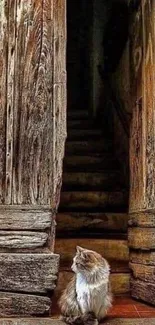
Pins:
x,y
87,297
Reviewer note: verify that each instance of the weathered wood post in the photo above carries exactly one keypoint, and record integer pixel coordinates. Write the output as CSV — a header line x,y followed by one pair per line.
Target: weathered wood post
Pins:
x,y
142,154
32,137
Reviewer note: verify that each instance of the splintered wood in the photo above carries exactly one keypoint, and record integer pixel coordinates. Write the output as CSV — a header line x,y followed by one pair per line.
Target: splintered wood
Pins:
x,y
32,138
142,153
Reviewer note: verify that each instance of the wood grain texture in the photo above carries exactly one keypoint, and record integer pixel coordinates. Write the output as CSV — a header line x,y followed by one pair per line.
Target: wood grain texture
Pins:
x,y
143,272
110,249
26,218
141,238
59,108
22,239
13,304
136,159
143,257
33,126
32,52
93,200
143,290
3,97
76,221
142,152
33,273
142,219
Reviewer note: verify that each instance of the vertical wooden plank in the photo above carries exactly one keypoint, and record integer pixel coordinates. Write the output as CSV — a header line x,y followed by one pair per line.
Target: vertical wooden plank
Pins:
x,y
136,136
32,170
10,98
3,92
142,198
59,93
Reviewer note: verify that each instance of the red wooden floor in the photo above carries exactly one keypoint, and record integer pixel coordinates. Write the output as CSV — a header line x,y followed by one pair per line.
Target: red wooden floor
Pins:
x,y
123,307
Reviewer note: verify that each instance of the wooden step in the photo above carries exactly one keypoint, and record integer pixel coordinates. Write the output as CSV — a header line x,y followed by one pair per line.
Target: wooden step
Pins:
x,y
79,124
90,201
87,147
119,282
112,250
83,222
93,181
90,162
75,134
77,114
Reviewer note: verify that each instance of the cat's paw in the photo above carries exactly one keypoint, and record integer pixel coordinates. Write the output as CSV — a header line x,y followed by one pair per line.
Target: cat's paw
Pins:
x,y
90,319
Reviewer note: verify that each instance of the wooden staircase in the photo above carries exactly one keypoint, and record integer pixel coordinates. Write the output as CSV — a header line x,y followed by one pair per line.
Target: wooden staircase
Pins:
x,y
94,202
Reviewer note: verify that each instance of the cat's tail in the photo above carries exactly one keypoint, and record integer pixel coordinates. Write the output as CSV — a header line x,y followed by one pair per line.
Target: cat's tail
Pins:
x,y
86,319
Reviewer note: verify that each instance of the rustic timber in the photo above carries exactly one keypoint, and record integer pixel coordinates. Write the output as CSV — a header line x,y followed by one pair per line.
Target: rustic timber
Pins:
x,y
142,219
85,181
143,272
33,273
14,304
87,147
31,78
110,249
32,139
78,124
142,257
94,200
26,217
22,239
73,221
143,290
84,134
141,238
90,162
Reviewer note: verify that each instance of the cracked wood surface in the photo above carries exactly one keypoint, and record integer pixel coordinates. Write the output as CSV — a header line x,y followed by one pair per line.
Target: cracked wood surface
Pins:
x,y
142,152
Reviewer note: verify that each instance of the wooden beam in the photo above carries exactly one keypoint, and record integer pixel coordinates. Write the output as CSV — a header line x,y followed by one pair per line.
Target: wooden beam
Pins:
x,y
33,273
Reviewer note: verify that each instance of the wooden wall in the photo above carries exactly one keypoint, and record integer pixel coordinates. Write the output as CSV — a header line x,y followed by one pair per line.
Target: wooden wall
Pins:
x,y
32,136
142,153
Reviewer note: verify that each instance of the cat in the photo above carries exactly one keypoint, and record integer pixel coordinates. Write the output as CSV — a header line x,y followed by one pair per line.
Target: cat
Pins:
x,y
87,298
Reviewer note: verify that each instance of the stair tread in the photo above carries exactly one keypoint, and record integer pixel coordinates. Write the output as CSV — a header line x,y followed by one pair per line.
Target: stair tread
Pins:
x,y
97,162
111,249
92,180
89,200
80,124
76,114
84,134
84,222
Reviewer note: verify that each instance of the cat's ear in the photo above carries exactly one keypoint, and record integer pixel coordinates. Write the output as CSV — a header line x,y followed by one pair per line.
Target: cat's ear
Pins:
x,y
79,249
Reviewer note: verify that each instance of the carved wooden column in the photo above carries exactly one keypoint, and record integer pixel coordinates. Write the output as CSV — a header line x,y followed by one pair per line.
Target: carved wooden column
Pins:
x,y
142,154
32,137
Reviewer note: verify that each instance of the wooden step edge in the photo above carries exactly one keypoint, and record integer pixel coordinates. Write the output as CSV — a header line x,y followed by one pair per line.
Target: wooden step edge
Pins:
x,y
115,266
91,234
81,221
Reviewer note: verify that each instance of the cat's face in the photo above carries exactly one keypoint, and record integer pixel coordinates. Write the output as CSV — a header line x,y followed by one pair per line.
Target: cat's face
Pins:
x,y
86,260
